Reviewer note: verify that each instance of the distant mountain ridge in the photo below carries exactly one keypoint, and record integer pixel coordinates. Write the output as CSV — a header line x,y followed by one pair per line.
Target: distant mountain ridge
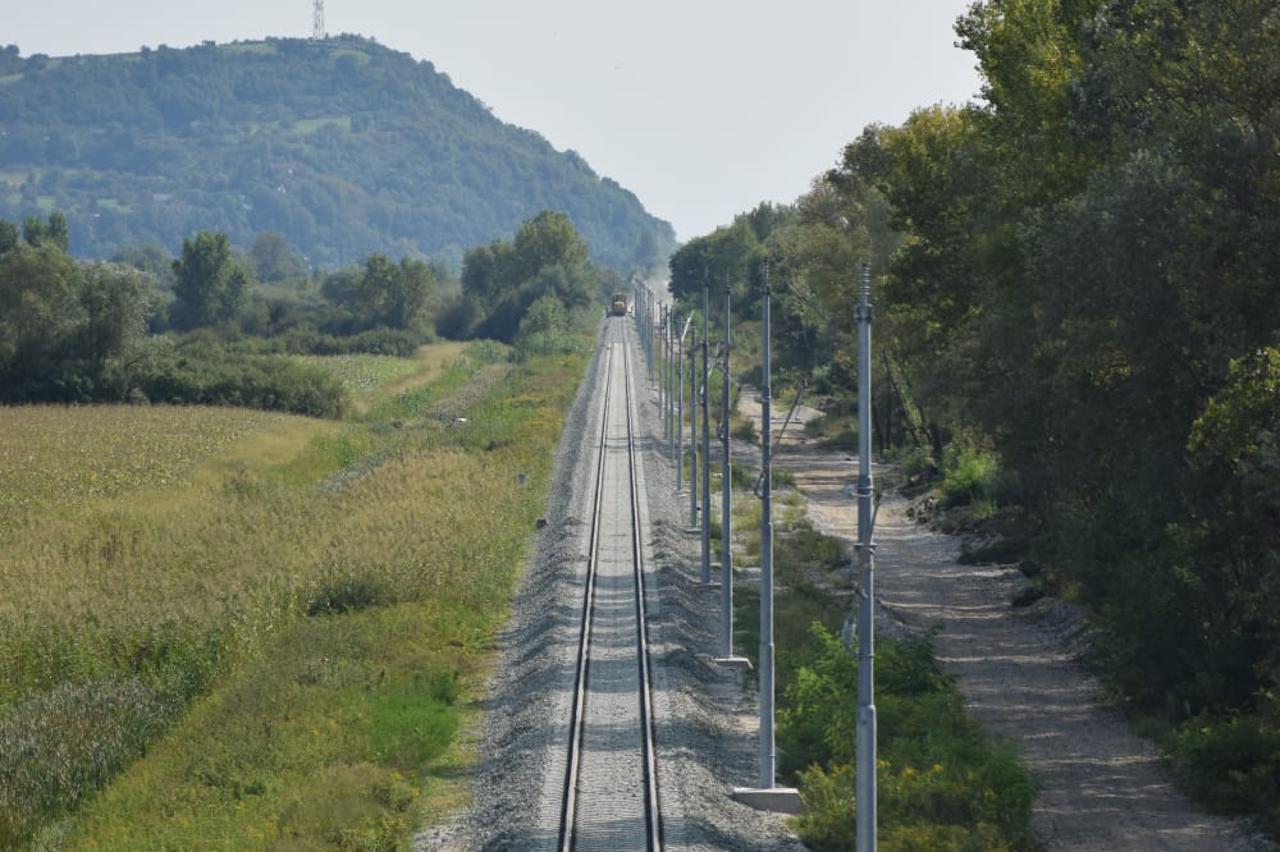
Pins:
x,y
344,146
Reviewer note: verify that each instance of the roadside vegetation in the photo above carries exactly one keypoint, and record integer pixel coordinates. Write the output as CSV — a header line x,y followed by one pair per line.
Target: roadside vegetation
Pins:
x,y
302,589
255,626
944,785
1076,322
217,326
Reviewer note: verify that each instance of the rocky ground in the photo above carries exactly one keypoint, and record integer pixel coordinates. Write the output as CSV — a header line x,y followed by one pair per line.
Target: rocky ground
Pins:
x,y
705,722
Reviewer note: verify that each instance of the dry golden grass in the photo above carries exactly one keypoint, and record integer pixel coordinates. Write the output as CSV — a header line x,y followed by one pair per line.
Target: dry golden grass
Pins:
x,y
56,456
187,573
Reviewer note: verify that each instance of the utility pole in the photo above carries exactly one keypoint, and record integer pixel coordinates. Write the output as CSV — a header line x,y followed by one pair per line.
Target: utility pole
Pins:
x,y
679,362
865,791
693,432
768,750
649,324
767,796
673,368
662,365
706,438
726,501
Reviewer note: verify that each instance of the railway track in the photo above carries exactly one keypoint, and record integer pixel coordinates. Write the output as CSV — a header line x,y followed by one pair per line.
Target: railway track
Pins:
x,y
610,787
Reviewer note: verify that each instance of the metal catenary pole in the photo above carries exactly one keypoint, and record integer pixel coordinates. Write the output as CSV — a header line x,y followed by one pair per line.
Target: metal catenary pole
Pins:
x,y
705,391
768,752
679,363
726,499
662,362
648,332
672,375
644,328
666,382
693,431
865,792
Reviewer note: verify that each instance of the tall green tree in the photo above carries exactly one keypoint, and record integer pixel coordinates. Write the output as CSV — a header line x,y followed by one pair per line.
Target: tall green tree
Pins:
x,y
8,236
54,232
395,294
211,285
274,259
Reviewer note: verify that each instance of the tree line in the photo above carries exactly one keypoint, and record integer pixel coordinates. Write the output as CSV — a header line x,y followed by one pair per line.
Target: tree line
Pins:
x,y
1079,310
216,325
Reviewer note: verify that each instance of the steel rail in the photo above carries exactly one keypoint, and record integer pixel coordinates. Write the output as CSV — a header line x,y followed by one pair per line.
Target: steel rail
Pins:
x,y
568,814
652,813
569,807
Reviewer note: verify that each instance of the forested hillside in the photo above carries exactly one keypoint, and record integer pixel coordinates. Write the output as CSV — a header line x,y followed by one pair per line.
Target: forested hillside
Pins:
x,y
1079,314
344,146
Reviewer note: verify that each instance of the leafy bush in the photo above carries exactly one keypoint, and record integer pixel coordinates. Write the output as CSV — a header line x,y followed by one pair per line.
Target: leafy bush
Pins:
x,y
968,476
401,342
916,462
1231,764
943,784
200,373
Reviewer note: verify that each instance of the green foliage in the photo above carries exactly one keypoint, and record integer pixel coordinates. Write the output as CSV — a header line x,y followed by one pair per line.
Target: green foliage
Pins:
x,y
549,329
8,236
745,430
546,261
343,147
67,332
1230,764
943,785
62,746
274,259
210,285
969,476
202,372
317,700
916,462
394,295
52,233
1075,274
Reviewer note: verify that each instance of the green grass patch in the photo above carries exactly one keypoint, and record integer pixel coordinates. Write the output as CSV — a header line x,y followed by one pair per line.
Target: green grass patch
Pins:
x,y
943,785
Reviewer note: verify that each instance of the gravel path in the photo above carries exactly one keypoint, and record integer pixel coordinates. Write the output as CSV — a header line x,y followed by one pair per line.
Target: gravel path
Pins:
x,y
1103,787
705,727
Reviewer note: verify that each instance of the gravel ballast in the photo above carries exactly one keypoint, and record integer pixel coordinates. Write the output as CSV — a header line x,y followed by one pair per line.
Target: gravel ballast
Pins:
x,y
705,725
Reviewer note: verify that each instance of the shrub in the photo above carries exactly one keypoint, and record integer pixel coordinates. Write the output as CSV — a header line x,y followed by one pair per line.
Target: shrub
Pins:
x,y
915,462
202,373
1231,764
968,476
943,784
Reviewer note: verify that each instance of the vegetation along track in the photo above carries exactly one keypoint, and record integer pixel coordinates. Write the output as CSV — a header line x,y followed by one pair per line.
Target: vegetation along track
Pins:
x,y
611,787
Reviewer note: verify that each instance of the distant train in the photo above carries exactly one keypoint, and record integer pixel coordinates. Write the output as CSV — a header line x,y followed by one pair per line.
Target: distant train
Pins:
x,y
618,305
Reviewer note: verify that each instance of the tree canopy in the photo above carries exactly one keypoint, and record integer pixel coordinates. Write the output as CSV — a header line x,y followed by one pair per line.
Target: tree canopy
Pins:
x,y
344,147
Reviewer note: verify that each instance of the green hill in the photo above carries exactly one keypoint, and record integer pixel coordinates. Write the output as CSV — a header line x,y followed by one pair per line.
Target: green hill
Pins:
x,y
344,146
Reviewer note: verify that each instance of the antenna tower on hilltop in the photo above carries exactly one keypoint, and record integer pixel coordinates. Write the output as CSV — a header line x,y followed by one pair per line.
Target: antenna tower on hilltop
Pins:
x,y
317,21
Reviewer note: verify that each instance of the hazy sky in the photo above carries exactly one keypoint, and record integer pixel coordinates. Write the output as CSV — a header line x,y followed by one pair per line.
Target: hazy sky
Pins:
x,y
702,108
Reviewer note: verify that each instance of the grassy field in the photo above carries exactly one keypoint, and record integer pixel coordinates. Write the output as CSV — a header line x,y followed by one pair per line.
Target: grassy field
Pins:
x,y
270,641
369,378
